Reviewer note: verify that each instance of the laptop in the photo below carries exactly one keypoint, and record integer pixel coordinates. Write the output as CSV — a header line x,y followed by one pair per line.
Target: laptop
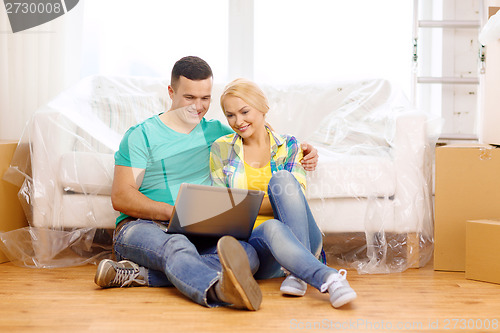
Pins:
x,y
202,210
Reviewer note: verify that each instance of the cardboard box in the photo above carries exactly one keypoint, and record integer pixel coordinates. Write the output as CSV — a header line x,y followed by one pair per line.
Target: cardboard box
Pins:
x,y
11,212
467,188
482,247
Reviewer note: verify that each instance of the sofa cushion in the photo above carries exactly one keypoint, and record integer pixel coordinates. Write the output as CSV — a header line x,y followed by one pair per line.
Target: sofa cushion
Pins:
x,y
354,215
121,102
116,104
363,118
84,172
120,112
341,176
84,211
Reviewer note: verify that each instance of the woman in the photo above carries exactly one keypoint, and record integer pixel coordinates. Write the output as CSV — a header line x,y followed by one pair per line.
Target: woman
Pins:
x,y
285,236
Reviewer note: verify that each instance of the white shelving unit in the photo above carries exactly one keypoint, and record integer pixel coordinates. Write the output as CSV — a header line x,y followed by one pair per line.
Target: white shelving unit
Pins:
x,y
489,118
447,63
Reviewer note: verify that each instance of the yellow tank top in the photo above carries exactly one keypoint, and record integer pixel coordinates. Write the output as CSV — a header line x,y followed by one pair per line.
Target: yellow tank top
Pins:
x,y
258,179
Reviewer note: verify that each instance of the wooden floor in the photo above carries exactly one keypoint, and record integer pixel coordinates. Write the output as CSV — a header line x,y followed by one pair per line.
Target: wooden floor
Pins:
x,y
67,300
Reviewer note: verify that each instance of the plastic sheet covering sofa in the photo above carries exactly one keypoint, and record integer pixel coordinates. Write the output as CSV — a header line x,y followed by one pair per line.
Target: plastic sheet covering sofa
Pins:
x,y
370,194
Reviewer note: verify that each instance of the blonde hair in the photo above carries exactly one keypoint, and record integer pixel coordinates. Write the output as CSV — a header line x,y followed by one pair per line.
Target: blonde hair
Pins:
x,y
247,91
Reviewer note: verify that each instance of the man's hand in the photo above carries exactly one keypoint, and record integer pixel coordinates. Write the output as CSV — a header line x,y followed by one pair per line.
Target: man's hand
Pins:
x,y
310,159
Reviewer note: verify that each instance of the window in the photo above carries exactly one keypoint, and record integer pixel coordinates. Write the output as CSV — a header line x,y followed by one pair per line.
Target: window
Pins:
x,y
294,41
322,41
145,38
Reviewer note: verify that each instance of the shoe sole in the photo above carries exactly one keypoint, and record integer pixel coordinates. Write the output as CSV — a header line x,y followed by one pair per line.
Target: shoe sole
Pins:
x,y
234,259
292,291
344,299
100,274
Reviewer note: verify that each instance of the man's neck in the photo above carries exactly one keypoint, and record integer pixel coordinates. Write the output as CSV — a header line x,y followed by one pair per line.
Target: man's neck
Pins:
x,y
173,121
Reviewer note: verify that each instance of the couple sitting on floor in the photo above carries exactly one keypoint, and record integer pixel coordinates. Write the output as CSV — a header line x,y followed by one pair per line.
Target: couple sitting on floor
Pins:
x,y
162,152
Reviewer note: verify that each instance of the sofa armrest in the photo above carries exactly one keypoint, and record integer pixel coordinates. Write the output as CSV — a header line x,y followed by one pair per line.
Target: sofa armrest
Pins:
x,y
411,146
50,136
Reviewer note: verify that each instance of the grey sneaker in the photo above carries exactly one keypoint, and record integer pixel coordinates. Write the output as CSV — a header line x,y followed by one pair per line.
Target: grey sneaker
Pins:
x,y
339,289
119,274
237,285
293,286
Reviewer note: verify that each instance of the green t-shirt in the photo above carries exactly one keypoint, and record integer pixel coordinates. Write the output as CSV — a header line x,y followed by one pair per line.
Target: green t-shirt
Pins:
x,y
169,158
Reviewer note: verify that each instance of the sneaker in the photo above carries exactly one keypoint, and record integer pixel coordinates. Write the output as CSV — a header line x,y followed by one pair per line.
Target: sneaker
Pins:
x,y
339,289
293,286
237,285
119,274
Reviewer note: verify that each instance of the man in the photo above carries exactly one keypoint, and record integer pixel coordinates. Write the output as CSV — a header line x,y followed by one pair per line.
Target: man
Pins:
x,y
154,158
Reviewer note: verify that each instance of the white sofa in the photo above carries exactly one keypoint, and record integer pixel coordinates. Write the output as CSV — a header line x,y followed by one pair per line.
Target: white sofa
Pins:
x,y
370,193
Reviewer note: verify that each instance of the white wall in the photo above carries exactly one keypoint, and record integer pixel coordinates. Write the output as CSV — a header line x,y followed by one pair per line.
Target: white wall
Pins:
x,y
35,65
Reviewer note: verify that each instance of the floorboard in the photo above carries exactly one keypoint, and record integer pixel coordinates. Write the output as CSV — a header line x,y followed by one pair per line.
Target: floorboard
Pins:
x,y
67,300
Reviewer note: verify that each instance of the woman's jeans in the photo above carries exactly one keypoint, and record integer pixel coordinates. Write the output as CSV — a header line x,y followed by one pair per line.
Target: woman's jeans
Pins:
x,y
292,240
172,259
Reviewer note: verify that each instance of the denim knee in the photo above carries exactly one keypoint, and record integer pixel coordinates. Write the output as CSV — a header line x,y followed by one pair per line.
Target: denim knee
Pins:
x,y
282,175
283,182
270,228
179,242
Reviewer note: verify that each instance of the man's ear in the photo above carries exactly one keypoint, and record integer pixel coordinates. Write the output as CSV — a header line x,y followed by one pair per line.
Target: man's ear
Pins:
x,y
170,92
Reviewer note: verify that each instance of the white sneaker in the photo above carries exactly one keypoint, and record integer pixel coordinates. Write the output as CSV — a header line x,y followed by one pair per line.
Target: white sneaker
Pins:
x,y
339,289
293,286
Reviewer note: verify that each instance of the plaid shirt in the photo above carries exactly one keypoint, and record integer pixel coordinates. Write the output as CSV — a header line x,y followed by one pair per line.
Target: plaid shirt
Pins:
x,y
226,159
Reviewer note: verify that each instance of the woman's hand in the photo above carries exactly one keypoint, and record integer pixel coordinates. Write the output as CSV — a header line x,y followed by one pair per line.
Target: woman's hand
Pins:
x,y
310,159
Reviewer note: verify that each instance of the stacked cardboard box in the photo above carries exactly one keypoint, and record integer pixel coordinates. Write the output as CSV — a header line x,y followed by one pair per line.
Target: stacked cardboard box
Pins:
x,y
482,249
483,236
467,188
11,212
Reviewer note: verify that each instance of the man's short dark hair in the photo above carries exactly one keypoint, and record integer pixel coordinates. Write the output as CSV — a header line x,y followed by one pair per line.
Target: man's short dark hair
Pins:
x,y
191,67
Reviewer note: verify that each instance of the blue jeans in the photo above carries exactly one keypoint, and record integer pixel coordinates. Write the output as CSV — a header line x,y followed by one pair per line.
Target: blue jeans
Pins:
x,y
172,259
292,240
